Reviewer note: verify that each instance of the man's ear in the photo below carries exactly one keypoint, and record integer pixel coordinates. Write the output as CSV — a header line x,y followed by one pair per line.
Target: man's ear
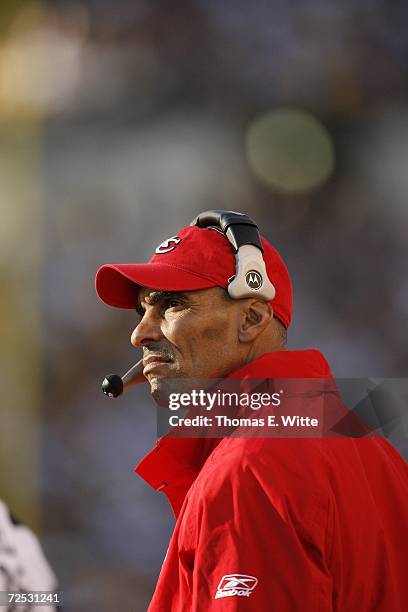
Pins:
x,y
255,317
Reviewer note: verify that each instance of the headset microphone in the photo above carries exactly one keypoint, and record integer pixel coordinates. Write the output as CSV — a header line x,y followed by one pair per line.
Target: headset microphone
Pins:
x,y
114,385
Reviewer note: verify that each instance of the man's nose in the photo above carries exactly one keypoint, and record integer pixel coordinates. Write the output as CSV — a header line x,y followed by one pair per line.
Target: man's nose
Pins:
x,y
148,329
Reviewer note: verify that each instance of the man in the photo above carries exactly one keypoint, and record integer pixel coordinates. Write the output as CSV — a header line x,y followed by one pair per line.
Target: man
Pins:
x,y
23,567
262,523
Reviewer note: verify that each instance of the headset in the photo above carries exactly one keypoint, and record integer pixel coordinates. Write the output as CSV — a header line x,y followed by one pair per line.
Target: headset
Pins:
x,y
250,279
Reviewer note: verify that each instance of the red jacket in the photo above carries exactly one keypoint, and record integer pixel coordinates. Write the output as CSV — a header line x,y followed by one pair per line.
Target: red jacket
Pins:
x,y
308,525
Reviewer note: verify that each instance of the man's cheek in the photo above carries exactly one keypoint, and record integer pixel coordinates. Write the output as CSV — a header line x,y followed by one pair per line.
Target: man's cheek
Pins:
x,y
212,345
217,329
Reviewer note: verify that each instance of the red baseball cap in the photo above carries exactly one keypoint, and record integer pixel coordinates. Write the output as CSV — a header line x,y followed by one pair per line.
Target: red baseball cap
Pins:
x,y
196,258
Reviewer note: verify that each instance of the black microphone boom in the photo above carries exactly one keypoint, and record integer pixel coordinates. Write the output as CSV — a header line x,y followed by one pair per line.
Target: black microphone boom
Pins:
x,y
114,385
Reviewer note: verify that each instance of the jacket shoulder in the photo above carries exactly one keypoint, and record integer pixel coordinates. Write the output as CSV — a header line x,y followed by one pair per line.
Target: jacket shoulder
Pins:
x,y
288,476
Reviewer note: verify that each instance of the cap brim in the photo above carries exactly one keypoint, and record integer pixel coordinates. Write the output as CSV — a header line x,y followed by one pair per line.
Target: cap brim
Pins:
x,y
118,285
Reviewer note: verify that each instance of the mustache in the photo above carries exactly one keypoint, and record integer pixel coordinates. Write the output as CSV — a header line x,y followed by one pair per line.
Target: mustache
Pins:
x,y
158,348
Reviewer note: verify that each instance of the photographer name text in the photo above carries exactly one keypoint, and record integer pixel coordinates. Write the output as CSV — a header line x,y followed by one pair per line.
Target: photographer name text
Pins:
x,y
225,421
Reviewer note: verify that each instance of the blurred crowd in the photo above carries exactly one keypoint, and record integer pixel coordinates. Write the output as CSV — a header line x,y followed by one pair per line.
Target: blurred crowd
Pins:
x,y
119,122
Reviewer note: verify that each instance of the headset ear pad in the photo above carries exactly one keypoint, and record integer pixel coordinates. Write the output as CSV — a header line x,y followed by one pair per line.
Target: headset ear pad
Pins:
x,y
251,278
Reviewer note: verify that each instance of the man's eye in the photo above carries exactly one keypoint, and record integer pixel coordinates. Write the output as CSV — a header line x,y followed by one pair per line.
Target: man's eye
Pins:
x,y
139,310
172,303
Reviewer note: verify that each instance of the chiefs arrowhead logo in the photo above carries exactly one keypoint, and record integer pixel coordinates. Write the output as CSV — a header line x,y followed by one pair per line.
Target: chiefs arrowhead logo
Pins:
x,y
168,245
253,279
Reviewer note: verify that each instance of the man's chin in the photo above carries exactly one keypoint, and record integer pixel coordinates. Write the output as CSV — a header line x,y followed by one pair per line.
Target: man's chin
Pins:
x,y
157,389
161,387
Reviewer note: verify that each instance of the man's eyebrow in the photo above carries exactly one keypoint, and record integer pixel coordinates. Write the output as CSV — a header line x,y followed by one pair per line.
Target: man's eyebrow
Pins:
x,y
155,296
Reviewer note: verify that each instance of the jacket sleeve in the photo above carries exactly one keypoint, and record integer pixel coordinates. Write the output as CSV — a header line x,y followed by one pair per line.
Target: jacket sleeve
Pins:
x,y
256,551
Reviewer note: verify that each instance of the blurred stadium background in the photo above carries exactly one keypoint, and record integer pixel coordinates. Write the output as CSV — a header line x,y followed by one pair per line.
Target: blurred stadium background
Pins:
x,y
119,122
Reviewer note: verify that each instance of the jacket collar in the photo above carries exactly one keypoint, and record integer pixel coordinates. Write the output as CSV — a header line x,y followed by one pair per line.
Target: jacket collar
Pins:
x,y
174,463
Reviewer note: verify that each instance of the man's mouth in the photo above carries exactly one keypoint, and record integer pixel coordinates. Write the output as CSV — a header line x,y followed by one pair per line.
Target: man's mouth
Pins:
x,y
151,362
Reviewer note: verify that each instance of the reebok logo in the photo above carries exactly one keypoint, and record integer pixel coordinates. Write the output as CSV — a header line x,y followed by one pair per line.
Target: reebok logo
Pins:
x,y
168,245
232,585
253,279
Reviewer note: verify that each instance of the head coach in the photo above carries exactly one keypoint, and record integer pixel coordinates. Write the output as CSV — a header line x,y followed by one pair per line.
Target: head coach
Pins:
x,y
308,525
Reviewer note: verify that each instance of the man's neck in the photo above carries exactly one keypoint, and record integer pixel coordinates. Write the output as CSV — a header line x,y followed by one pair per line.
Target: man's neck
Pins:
x,y
257,351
